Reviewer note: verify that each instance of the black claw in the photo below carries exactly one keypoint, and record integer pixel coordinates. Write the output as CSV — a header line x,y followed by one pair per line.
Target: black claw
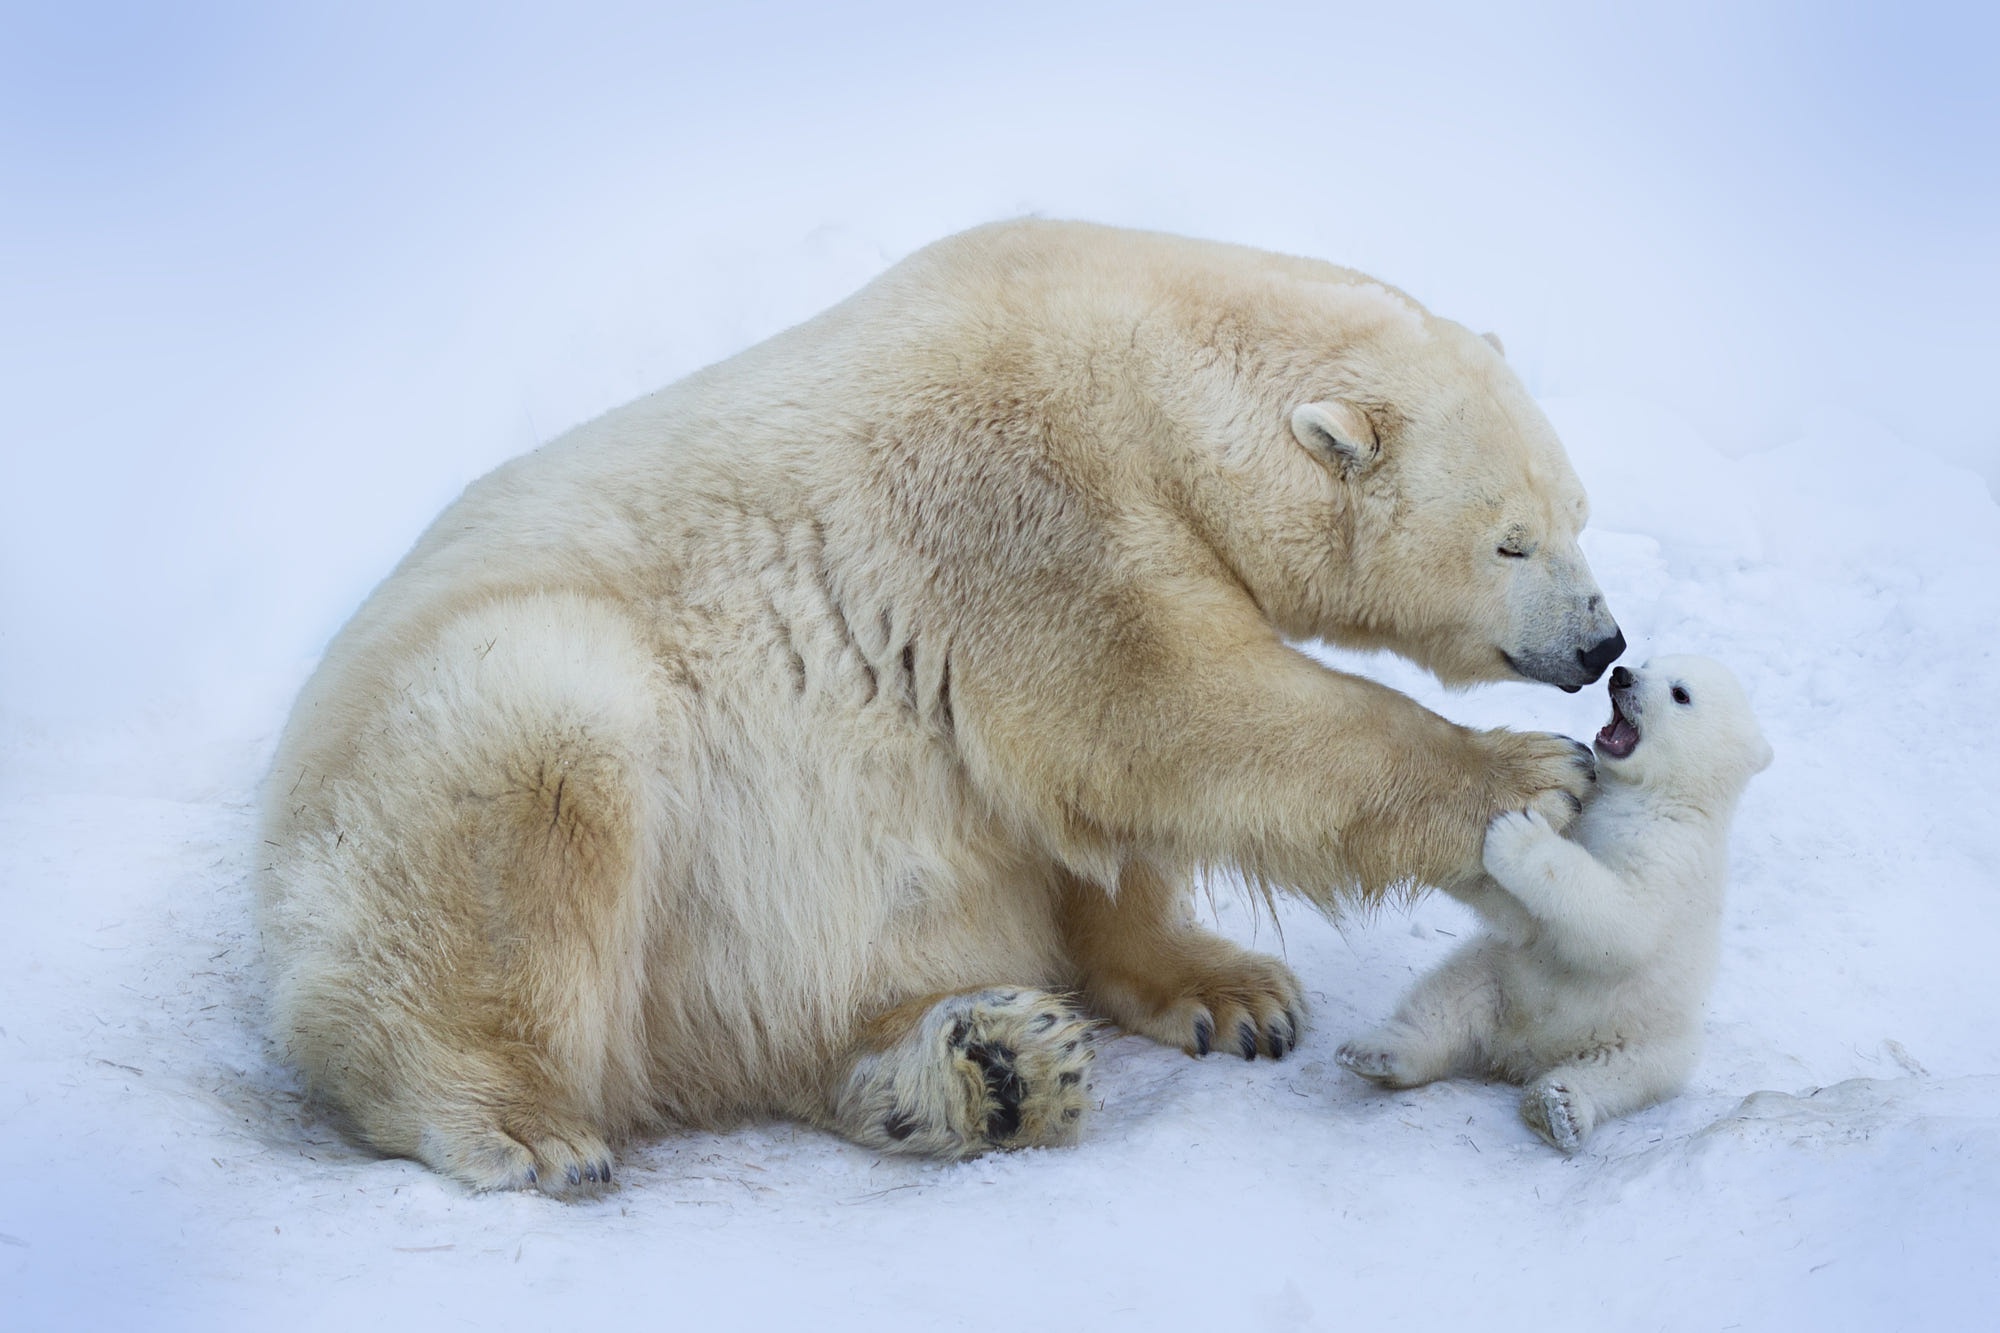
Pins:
x,y
534,1177
1003,1085
575,1176
590,1172
1246,1040
958,1030
1276,1036
899,1126
1045,1022
604,1171
1204,1035
1069,1080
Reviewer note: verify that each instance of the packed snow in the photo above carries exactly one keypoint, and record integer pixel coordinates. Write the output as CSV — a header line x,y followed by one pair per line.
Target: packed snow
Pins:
x,y
1835,1162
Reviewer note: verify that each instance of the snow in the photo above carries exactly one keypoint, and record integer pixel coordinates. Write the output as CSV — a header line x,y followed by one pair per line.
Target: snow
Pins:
x,y
305,281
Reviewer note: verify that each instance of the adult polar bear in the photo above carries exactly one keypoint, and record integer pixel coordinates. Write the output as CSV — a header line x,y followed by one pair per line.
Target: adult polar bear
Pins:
x,y
780,742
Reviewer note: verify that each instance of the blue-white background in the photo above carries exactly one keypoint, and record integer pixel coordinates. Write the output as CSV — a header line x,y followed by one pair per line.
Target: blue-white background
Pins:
x,y
277,280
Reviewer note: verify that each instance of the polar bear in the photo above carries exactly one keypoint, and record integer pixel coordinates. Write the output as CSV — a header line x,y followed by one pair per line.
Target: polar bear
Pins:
x,y
1589,988
835,734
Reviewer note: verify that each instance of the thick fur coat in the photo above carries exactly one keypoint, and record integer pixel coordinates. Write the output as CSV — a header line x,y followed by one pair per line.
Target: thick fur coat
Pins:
x,y
835,732
1602,946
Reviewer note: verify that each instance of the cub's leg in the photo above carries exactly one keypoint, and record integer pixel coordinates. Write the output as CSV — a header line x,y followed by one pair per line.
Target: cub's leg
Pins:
x,y
963,1074
1151,970
1444,1026
1565,1104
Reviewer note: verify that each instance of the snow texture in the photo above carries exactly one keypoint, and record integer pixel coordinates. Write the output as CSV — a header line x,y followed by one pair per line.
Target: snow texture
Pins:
x,y
222,439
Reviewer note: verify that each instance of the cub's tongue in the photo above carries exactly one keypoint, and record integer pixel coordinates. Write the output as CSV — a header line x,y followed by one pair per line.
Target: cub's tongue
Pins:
x,y
1619,737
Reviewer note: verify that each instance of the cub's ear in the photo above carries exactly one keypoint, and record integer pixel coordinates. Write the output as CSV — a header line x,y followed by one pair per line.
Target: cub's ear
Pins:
x,y
1494,339
1761,755
1337,432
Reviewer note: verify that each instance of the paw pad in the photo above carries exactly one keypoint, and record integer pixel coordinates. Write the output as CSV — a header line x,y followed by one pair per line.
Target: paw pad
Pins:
x,y
985,1070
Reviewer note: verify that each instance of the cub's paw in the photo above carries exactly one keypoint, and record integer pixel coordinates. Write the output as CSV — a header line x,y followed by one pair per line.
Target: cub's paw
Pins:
x,y
1202,993
1512,838
1558,1113
1380,1058
981,1070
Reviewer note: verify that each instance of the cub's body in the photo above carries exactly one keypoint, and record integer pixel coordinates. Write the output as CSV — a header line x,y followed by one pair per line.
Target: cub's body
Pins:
x,y
1601,947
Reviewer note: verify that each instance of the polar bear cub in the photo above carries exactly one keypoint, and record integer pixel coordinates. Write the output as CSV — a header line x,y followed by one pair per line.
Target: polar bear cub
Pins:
x,y
1589,983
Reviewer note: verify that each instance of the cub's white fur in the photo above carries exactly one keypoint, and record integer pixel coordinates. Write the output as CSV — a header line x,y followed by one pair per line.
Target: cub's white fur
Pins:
x,y
1588,988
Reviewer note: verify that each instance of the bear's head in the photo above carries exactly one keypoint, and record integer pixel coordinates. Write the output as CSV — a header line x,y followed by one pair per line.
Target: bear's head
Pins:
x,y
1456,507
1682,724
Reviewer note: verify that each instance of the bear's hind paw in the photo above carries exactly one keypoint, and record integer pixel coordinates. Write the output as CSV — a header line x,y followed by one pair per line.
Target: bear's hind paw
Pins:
x,y
982,1070
524,1153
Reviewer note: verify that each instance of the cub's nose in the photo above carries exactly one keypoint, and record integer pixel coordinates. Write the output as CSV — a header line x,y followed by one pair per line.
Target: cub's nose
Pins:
x,y
1621,679
1603,655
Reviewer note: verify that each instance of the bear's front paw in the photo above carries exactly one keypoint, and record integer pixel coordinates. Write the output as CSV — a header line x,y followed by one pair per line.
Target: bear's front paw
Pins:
x,y
1511,839
1202,994
1541,771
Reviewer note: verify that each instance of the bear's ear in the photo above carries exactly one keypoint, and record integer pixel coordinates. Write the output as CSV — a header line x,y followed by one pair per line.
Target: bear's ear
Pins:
x,y
1494,339
1338,432
1761,755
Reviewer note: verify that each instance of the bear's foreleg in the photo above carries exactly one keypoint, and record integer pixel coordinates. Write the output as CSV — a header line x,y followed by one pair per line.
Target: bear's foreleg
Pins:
x,y
1199,740
966,1073
1149,969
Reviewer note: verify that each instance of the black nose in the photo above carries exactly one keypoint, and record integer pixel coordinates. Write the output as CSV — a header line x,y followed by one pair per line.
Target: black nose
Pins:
x,y
1603,655
1621,679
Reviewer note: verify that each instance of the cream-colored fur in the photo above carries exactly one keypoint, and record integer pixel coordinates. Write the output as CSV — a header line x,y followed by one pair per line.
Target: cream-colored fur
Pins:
x,y
1589,986
735,754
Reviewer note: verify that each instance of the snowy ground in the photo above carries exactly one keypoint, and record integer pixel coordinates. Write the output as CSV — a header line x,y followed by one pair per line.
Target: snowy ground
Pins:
x,y
1836,1163
261,317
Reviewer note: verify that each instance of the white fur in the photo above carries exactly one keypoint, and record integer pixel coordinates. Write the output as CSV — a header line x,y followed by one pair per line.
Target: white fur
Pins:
x,y
1588,986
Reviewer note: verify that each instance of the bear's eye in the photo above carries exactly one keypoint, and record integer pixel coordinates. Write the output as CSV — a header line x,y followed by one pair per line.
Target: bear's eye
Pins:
x,y
1513,553
1681,695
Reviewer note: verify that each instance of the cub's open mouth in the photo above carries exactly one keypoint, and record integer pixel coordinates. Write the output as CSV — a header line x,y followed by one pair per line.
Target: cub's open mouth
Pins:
x,y
1620,736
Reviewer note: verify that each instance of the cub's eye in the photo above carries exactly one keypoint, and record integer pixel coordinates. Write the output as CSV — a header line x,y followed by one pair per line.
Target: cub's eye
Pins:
x,y
1512,552
1681,696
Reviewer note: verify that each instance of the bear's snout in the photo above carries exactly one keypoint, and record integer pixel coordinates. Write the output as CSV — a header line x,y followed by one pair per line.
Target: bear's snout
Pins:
x,y
1594,660
1621,679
